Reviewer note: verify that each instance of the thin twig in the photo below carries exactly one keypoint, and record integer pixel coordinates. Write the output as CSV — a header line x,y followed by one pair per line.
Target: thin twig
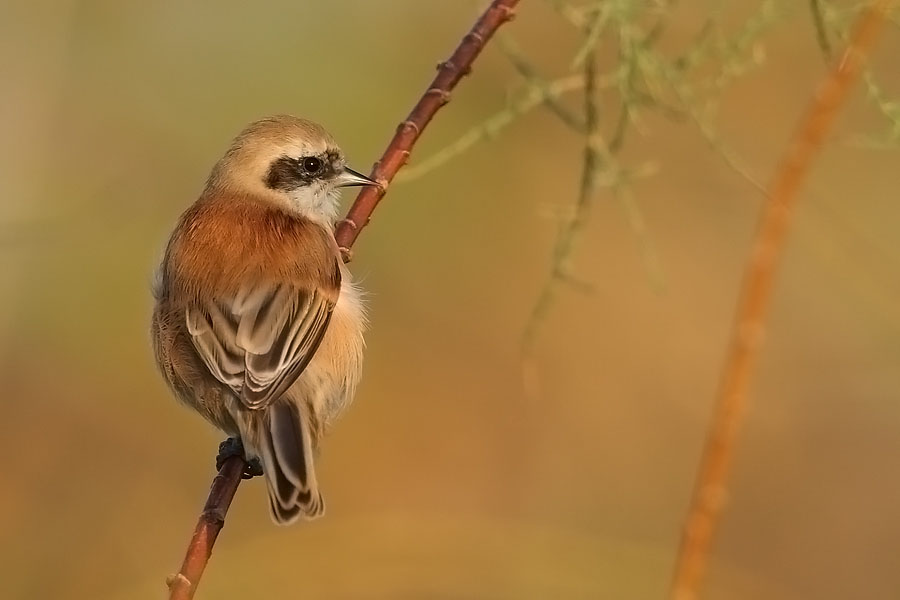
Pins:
x,y
592,35
662,23
608,173
643,238
436,96
550,99
183,584
815,8
594,150
715,143
570,14
822,14
889,107
491,126
629,51
539,93
710,488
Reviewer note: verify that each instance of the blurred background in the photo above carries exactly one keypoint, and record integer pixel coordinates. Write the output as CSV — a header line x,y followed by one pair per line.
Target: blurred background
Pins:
x,y
446,479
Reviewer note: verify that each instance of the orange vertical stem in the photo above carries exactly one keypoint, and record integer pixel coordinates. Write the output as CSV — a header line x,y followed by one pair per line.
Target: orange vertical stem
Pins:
x,y
710,489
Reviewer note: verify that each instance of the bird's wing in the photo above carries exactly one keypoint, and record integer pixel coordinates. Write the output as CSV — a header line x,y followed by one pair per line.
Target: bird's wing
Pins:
x,y
259,342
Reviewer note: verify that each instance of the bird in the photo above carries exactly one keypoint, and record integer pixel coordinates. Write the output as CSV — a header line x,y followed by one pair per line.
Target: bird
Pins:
x,y
257,323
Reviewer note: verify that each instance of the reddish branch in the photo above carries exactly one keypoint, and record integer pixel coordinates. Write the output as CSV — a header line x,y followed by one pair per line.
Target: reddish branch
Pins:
x,y
437,95
183,584
224,486
710,489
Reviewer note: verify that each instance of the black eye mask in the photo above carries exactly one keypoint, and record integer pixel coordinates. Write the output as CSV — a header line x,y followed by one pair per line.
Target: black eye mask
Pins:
x,y
287,174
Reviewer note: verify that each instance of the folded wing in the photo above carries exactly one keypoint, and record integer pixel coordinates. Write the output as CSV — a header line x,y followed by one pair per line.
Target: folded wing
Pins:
x,y
259,342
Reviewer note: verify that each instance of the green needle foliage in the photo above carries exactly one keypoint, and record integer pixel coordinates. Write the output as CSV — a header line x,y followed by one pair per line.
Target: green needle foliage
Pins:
x,y
684,86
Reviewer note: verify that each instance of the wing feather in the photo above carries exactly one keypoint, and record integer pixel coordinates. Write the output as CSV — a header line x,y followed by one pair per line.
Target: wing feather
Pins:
x,y
260,341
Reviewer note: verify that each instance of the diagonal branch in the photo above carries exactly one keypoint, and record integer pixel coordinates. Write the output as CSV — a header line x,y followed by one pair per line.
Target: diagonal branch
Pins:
x,y
436,96
710,489
183,584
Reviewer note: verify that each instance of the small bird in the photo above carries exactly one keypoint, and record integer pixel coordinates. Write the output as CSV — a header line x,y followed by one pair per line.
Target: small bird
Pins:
x,y
257,324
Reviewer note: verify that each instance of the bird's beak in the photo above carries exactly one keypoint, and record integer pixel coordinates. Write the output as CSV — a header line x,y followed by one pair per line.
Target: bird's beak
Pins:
x,y
348,178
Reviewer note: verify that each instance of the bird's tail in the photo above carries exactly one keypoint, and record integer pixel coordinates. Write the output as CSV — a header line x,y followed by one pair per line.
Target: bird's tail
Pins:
x,y
284,444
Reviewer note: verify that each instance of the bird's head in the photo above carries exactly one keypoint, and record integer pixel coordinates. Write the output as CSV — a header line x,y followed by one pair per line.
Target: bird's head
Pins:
x,y
290,161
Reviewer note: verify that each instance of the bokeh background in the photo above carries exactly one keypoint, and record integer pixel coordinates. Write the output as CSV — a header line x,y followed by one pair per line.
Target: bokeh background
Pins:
x,y
446,480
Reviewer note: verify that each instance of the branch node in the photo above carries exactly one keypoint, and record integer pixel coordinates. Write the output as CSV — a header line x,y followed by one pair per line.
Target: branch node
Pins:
x,y
443,95
350,223
477,37
177,579
451,66
408,124
213,515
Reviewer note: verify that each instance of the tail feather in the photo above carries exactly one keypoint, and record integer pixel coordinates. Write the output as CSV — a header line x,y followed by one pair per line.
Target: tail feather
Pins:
x,y
287,457
289,441
281,490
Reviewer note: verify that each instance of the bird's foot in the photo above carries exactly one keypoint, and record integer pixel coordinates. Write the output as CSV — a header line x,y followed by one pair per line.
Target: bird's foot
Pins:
x,y
253,469
230,447
234,447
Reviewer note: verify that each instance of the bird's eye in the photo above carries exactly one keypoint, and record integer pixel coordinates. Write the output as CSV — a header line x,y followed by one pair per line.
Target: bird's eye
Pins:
x,y
311,164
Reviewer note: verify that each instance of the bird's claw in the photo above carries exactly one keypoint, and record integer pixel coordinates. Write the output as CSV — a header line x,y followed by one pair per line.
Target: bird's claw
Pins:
x,y
253,469
234,447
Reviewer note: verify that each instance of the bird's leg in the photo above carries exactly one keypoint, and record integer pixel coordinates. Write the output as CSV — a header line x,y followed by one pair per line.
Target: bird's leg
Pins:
x,y
234,447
